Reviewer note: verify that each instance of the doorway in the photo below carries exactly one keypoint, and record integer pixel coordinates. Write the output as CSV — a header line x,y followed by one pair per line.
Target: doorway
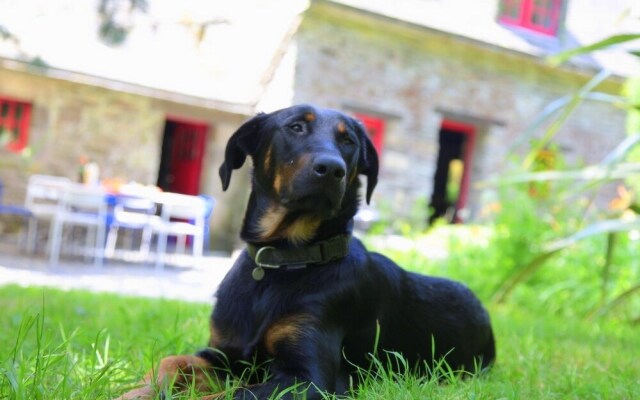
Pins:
x,y
375,127
453,169
183,147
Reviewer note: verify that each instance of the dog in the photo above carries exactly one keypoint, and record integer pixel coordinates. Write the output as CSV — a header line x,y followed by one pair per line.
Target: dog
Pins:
x,y
305,296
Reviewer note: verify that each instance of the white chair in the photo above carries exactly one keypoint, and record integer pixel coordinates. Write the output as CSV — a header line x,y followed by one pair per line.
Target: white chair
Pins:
x,y
132,213
181,216
43,195
81,206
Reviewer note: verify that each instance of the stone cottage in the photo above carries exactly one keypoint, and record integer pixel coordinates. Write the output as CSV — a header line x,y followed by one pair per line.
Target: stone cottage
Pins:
x,y
454,80
445,88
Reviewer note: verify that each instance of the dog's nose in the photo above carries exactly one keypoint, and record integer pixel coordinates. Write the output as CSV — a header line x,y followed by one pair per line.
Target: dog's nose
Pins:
x,y
329,166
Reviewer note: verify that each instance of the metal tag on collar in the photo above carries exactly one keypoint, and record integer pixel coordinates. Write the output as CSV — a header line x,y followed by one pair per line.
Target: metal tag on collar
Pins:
x,y
258,272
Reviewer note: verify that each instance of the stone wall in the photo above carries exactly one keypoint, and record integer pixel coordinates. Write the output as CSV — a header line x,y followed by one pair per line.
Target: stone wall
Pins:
x,y
414,77
121,132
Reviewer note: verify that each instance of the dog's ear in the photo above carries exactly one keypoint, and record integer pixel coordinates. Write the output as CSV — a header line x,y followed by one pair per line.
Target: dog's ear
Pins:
x,y
244,142
367,159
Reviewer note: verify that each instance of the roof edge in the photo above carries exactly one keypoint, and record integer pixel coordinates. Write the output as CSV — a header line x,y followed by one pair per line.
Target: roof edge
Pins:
x,y
126,87
570,67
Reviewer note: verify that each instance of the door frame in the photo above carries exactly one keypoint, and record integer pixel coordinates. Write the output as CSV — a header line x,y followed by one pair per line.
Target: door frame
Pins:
x,y
167,152
469,131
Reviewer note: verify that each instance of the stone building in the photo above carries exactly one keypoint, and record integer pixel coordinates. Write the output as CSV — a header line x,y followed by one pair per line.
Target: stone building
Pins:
x,y
450,80
455,81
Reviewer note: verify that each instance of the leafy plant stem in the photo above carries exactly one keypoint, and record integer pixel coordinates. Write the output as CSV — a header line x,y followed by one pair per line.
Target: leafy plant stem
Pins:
x,y
521,275
606,269
574,102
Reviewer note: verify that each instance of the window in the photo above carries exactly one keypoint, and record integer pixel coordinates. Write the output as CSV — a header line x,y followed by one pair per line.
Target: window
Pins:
x,y
537,15
375,128
15,117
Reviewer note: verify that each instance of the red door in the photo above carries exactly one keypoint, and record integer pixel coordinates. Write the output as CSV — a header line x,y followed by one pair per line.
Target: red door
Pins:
x,y
375,129
183,152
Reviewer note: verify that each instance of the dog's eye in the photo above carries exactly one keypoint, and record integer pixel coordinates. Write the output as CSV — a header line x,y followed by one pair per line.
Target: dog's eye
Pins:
x,y
348,141
297,127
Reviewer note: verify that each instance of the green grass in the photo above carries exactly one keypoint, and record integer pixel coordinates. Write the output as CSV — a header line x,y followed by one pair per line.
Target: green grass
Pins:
x,y
79,345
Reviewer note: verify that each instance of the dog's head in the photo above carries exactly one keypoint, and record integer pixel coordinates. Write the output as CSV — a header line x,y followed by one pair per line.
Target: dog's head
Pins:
x,y
306,165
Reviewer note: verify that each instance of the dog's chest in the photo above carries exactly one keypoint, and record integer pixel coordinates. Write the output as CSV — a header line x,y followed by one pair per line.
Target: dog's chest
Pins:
x,y
245,312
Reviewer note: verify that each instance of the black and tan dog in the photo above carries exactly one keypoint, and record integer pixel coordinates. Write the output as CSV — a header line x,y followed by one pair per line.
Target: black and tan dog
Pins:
x,y
307,295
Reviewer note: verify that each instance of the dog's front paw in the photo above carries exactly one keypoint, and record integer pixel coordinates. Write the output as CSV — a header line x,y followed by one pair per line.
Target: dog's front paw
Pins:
x,y
143,393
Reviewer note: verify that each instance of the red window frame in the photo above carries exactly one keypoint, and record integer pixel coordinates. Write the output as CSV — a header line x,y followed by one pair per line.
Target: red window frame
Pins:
x,y
542,16
375,127
15,118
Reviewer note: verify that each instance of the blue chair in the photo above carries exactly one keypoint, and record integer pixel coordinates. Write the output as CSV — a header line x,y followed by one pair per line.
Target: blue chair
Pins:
x,y
132,213
20,211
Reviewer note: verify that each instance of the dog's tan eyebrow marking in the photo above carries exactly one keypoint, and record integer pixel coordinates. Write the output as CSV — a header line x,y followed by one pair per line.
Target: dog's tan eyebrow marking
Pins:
x,y
341,127
309,117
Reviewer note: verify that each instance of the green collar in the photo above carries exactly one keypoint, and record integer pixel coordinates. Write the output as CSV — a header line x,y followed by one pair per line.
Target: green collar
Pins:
x,y
299,257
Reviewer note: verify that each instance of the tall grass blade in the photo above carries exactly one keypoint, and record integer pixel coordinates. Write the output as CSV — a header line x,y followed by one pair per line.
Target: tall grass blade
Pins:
x,y
606,268
617,301
597,228
622,149
554,107
520,275
574,101
593,172
559,58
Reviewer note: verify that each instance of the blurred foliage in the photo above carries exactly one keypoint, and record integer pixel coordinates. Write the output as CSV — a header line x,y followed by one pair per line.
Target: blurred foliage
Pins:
x,y
620,220
631,92
388,221
561,240
4,33
116,19
568,282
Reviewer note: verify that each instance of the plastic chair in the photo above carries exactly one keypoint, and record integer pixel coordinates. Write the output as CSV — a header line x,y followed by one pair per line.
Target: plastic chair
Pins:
x,y
211,203
134,214
9,209
81,206
43,195
181,216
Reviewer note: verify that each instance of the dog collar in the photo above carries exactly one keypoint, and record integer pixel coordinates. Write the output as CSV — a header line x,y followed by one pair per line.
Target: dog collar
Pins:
x,y
318,253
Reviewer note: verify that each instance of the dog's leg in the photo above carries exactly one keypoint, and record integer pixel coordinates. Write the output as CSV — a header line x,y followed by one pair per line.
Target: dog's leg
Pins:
x,y
306,360
177,370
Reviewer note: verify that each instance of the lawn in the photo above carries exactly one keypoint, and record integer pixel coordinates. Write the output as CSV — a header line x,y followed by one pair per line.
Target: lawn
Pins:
x,y
79,345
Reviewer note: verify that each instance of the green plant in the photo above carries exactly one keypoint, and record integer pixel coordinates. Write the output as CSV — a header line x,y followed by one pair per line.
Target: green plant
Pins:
x,y
620,165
